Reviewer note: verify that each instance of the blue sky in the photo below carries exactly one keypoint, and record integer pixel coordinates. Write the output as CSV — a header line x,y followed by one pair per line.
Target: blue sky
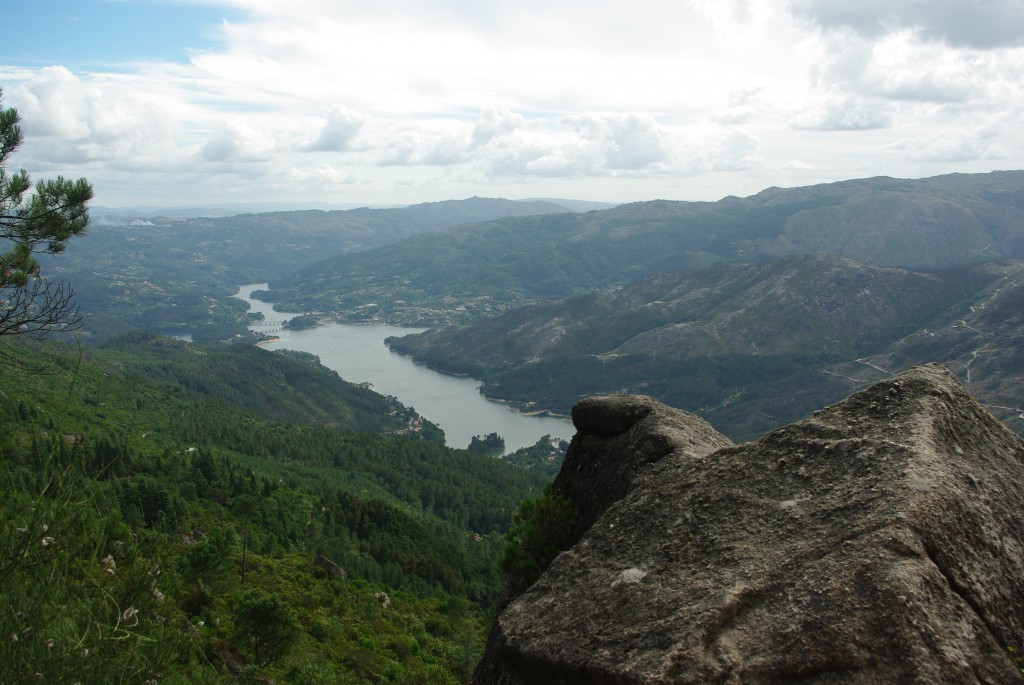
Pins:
x,y
184,102
92,34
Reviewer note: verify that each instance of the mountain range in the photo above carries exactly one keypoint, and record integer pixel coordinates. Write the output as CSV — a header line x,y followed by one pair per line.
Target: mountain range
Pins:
x,y
731,309
749,345
178,276
469,272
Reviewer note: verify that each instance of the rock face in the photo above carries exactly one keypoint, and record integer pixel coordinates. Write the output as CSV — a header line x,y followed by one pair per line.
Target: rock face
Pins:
x,y
617,436
880,541
331,568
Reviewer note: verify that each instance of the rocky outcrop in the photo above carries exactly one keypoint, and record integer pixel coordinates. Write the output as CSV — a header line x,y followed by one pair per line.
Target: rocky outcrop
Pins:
x,y
617,436
879,541
330,568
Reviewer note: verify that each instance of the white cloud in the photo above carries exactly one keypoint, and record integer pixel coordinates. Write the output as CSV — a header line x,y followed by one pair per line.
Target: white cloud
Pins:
x,y
735,152
902,68
343,125
944,148
55,103
741,106
68,119
798,165
551,165
237,141
533,148
493,123
898,82
626,141
324,178
443,145
506,143
982,24
701,98
845,113
734,20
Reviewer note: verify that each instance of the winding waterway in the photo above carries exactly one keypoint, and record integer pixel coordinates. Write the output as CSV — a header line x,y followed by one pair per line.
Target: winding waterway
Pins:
x,y
357,352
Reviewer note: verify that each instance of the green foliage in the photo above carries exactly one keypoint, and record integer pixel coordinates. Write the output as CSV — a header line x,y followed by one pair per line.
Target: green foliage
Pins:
x,y
206,565
167,481
42,224
302,321
281,385
543,457
77,586
539,531
1017,660
267,623
489,444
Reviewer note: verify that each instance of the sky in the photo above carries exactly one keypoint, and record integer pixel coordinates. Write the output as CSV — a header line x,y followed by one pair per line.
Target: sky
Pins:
x,y
198,102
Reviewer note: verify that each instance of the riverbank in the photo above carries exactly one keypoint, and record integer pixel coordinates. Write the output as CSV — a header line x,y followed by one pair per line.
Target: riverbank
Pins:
x,y
512,406
544,413
267,341
356,351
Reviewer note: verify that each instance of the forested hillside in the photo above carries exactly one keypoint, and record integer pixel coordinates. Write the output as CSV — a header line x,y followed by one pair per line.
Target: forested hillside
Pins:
x,y
750,346
178,275
165,505
470,272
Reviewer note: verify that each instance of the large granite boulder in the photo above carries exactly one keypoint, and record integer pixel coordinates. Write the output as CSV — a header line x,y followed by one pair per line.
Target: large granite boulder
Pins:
x,y
617,437
880,541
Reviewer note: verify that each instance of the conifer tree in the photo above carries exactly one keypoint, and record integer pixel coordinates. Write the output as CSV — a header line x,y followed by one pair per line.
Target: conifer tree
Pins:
x,y
40,224
268,623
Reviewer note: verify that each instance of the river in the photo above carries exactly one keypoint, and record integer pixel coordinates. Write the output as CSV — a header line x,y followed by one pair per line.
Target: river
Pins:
x,y
357,352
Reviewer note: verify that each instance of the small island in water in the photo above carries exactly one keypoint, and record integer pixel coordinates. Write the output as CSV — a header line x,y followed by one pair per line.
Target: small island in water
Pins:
x,y
491,443
302,321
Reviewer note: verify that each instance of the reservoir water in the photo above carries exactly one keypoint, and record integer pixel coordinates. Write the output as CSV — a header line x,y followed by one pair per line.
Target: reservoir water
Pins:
x,y
357,352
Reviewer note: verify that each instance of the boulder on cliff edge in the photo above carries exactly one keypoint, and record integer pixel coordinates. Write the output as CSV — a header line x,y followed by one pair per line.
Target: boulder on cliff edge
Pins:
x,y
617,438
880,541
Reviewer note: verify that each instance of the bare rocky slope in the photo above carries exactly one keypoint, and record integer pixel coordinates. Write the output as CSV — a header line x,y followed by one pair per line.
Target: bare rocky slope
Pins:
x,y
879,541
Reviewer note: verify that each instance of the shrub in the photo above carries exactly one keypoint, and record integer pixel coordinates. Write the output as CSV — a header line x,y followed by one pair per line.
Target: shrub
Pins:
x,y
539,531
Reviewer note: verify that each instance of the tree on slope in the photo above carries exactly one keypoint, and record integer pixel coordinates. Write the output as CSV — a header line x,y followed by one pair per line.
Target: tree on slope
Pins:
x,y
41,224
268,623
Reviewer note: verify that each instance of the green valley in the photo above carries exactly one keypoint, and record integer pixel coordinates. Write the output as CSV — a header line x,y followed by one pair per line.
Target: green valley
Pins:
x,y
151,487
206,512
177,276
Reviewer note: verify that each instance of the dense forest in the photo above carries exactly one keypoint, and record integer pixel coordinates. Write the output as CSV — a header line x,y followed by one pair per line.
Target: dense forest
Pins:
x,y
177,513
